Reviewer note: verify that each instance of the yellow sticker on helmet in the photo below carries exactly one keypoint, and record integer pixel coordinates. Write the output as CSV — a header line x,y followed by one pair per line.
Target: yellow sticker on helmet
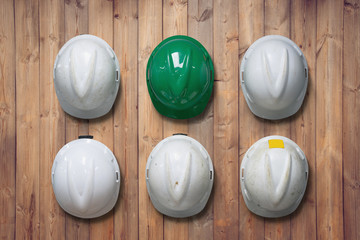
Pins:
x,y
276,143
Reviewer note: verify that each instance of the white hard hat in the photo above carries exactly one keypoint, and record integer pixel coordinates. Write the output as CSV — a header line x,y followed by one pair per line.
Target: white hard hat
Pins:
x,y
86,178
274,77
86,77
179,176
273,176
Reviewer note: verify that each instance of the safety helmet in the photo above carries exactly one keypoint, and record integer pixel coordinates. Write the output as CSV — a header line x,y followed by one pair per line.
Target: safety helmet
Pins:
x,y
86,77
274,77
86,178
180,77
273,176
179,176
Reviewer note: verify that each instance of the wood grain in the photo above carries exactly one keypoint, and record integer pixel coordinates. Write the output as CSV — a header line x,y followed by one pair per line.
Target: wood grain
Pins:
x,y
7,121
200,27
126,119
351,116
76,22
303,33
251,128
226,136
150,121
27,119
101,25
329,159
33,127
52,118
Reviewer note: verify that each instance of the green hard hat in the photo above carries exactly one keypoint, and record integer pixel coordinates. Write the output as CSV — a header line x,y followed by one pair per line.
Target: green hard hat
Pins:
x,y
180,77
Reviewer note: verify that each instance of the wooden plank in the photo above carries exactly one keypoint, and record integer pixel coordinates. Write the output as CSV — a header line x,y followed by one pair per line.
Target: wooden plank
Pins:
x,y
52,118
303,33
201,128
329,159
174,18
32,122
101,24
7,121
76,18
125,119
251,128
351,116
277,17
27,118
76,22
150,121
226,134
277,21
174,23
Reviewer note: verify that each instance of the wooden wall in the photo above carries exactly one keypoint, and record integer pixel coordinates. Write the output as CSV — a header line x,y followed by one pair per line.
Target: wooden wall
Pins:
x,y
33,126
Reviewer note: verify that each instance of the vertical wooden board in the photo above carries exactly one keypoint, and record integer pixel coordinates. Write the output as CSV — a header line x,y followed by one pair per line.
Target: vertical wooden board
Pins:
x,y
7,121
200,26
32,121
126,119
351,116
174,23
174,17
150,121
226,135
27,118
76,22
76,18
329,190
277,21
201,128
251,128
101,24
176,228
303,33
52,118
277,17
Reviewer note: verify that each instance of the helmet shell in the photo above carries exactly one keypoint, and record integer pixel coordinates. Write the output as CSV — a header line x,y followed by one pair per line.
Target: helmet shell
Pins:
x,y
86,77
86,178
273,176
180,77
274,77
179,176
